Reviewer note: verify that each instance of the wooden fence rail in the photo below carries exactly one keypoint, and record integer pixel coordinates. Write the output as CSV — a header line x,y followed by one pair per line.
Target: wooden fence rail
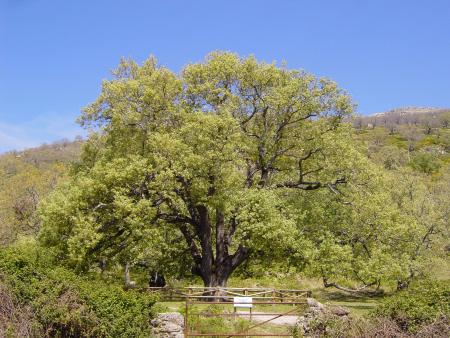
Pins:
x,y
202,293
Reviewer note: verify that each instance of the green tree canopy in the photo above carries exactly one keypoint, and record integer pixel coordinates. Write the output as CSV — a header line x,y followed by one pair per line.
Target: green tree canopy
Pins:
x,y
206,160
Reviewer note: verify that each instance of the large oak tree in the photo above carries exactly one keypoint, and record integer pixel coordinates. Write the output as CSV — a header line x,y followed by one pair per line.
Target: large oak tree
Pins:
x,y
208,157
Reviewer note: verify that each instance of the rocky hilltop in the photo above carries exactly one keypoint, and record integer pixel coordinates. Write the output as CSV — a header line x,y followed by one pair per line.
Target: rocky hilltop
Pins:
x,y
413,110
425,117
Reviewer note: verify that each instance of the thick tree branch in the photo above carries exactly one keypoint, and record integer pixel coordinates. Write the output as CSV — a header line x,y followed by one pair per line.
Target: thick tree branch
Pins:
x,y
241,254
360,289
195,253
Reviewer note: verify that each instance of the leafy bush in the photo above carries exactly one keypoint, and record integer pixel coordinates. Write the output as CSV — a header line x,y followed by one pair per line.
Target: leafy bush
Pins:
x,y
65,304
427,163
420,305
423,311
332,326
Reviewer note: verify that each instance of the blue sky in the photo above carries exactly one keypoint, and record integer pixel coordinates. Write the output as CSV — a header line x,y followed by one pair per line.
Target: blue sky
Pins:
x,y
54,54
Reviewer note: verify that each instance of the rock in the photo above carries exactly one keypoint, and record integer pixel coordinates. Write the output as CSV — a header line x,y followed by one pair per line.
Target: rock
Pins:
x,y
338,310
168,325
303,324
312,303
318,313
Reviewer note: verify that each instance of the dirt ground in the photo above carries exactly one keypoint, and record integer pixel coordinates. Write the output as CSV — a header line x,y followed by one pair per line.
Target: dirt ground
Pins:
x,y
274,319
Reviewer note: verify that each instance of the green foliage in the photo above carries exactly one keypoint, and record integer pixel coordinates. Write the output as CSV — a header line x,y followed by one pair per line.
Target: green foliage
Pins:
x,y
420,141
427,163
381,234
233,163
25,178
65,304
261,152
397,141
421,304
427,141
203,160
206,319
391,157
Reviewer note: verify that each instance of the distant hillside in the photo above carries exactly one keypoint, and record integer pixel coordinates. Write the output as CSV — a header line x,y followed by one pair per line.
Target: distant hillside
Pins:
x,y
416,137
25,178
413,110
64,151
418,116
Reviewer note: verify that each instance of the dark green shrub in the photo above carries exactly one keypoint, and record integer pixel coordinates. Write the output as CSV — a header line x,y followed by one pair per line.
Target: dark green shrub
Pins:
x,y
68,305
426,163
420,305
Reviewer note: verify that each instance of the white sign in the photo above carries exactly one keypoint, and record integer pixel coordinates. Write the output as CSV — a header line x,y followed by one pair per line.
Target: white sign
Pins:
x,y
243,302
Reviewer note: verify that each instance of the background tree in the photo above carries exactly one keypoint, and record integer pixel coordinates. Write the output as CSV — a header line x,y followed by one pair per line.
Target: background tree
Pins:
x,y
376,234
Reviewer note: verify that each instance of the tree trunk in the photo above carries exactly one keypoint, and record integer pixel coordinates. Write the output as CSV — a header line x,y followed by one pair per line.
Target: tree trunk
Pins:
x,y
215,267
217,278
127,274
129,284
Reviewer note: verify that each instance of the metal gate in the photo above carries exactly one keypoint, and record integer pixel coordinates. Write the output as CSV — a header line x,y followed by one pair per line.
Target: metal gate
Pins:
x,y
221,312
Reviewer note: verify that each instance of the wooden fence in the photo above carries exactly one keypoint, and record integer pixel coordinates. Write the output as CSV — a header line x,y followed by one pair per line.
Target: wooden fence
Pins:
x,y
205,293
